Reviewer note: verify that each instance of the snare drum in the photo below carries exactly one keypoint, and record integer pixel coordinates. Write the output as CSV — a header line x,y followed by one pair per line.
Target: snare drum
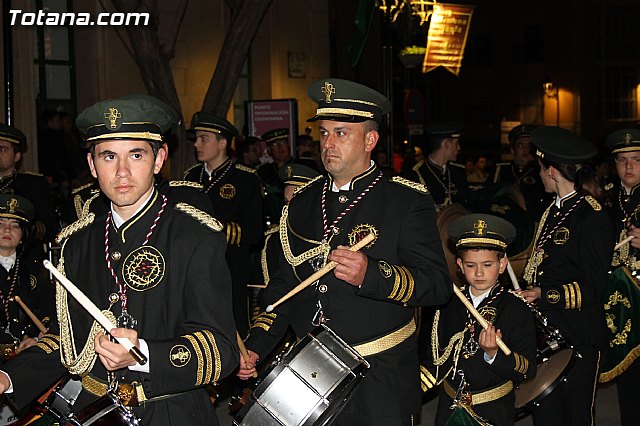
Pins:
x,y
307,385
105,411
555,357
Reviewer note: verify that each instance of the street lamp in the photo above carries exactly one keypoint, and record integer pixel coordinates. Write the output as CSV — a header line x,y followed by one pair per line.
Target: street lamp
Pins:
x,y
551,92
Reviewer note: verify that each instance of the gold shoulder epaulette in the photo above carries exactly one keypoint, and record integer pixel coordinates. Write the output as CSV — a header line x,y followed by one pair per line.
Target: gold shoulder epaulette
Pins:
x,y
245,168
79,224
505,163
306,185
174,183
32,173
593,203
608,187
272,230
191,168
80,188
202,217
410,184
519,296
458,165
418,165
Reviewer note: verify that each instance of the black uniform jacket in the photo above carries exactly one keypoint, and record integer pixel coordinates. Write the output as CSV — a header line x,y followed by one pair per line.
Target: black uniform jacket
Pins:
x,y
528,181
180,298
406,268
573,272
35,188
29,280
236,195
452,179
624,210
513,318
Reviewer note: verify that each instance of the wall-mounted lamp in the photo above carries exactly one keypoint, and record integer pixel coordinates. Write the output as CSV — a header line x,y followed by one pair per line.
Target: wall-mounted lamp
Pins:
x,y
550,90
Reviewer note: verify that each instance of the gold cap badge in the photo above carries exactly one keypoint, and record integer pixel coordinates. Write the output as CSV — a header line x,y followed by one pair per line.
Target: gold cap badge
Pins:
x,y
113,116
480,226
328,90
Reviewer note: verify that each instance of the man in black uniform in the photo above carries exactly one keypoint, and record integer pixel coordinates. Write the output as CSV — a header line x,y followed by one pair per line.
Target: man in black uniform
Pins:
x,y
476,376
446,180
567,270
32,186
236,195
523,171
368,299
624,334
279,148
142,261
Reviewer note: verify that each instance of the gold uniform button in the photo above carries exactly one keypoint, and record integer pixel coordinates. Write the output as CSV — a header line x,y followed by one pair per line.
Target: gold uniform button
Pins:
x,y
116,255
541,273
322,288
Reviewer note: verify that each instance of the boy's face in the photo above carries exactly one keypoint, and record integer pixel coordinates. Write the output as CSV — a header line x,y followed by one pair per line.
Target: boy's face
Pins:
x,y
481,268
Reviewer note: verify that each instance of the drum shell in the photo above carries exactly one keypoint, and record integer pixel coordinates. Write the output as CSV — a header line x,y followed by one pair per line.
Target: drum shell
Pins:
x,y
554,359
308,385
105,411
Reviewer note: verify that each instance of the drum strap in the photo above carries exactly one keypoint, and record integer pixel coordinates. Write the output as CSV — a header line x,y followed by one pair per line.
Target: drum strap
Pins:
x,y
386,342
98,388
485,396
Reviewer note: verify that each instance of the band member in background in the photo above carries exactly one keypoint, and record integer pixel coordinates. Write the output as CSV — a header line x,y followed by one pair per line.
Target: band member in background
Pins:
x,y
474,373
567,270
624,335
279,148
143,262
32,186
445,179
20,276
236,195
368,299
523,171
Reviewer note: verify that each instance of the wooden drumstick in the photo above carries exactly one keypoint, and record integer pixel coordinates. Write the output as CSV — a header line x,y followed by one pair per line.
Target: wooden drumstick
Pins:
x,y
243,352
29,313
320,273
512,275
96,313
623,242
479,318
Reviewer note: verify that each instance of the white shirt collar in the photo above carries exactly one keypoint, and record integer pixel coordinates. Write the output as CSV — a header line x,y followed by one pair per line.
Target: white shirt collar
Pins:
x,y
118,220
347,185
8,261
476,300
559,200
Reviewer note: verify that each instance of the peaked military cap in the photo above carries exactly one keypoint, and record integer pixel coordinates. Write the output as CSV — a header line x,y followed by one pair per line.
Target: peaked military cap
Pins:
x,y
297,174
481,231
130,117
16,207
207,122
520,131
275,135
624,140
561,146
14,136
347,101
453,129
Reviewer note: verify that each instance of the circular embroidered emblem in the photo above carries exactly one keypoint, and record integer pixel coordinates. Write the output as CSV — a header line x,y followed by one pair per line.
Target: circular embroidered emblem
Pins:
x,y
385,269
529,180
553,296
33,282
227,191
561,236
179,356
143,268
361,231
488,313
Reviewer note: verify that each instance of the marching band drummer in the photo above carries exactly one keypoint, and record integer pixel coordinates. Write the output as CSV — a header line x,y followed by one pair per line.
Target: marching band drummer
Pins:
x,y
21,276
478,378
368,299
624,205
567,270
142,262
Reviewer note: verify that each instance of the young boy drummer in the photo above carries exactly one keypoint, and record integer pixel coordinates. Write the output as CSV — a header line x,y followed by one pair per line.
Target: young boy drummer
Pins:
x,y
478,380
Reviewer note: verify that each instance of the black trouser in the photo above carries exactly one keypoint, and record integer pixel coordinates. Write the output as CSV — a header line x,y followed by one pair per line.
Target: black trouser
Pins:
x,y
629,394
573,401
